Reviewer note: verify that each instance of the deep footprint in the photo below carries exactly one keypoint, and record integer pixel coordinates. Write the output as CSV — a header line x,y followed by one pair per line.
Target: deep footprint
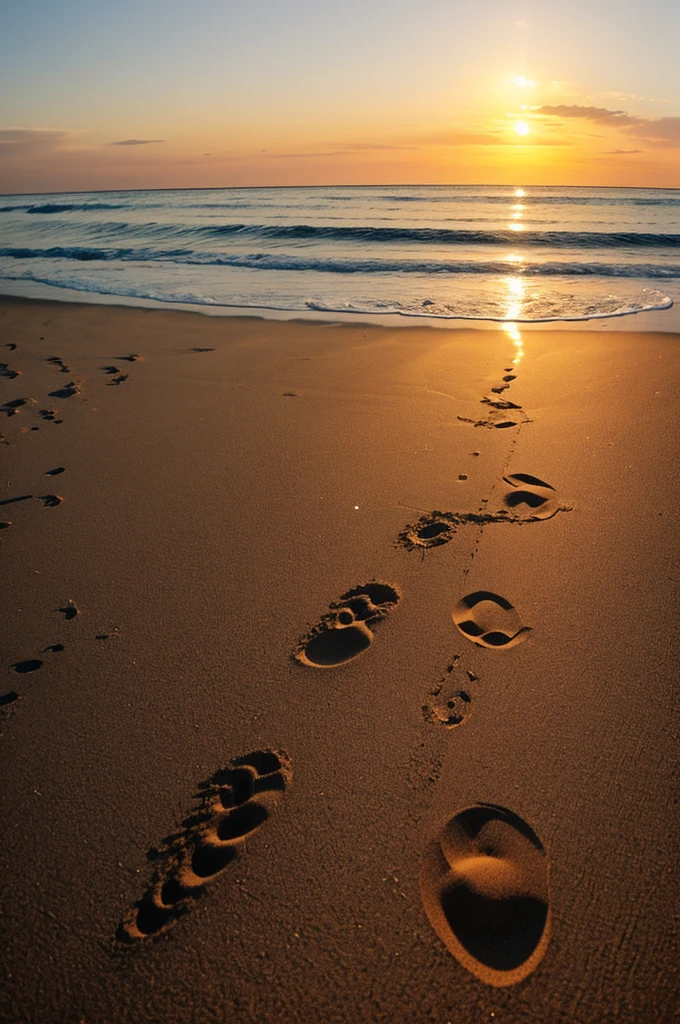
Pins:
x,y
347,629
234,803
23,667
489,620
537,497
68,391
484,885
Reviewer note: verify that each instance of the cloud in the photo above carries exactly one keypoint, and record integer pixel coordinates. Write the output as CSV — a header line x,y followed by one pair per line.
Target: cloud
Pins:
x,y
621,152
135,142
20,141
600,115
663,132
660,131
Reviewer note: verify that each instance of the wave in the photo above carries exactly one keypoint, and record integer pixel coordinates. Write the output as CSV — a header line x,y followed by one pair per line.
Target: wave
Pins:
x,y
373,235
543,307
532,198
282,261
451,236
63,207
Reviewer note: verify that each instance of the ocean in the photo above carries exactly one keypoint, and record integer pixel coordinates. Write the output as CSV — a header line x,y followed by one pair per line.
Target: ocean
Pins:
x,y
477,253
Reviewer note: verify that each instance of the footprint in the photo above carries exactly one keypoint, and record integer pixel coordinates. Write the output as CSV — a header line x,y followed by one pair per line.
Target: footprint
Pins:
x,y
538,496
7,372
489,620
450,702
484,886
53,649
49,414
110,369
23,667
134,357
450,709
347,629
68,391
499,418
55,472
50,500
8,698
430,531
58,361
12,408
234,803
118,380
203,350
69,611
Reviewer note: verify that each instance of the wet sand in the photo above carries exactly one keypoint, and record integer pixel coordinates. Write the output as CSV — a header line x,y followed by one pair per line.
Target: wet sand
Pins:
x,y
340,673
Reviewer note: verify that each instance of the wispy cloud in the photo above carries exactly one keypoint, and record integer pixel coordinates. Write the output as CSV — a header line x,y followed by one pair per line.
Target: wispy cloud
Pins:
x,y
600,115
621,152
135,142
657,131
15,141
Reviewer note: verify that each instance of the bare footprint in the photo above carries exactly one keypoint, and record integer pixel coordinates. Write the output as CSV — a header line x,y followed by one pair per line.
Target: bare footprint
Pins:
x,y
538,497
234,803
347,629
484,885
489,620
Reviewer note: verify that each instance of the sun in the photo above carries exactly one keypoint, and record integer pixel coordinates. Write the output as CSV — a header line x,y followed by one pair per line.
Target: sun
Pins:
x,y
522,127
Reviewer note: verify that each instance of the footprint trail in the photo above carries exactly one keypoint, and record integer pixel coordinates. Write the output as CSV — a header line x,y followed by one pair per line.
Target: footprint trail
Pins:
x,y
234,803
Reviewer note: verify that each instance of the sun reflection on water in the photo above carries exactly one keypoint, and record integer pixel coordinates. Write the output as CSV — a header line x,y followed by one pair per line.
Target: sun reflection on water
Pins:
x,y
516,290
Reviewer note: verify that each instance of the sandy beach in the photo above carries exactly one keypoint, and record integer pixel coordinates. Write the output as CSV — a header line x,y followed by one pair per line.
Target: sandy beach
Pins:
x,y
340,671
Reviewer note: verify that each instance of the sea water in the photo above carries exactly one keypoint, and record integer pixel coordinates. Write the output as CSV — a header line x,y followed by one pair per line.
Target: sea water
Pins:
x,y
448,252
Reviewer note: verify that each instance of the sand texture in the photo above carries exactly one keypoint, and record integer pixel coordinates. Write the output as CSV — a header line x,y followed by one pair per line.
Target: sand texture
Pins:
x,y
340,672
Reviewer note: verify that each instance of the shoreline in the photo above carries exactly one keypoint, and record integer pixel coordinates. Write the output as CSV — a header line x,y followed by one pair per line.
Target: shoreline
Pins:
x,y
666,321
189,502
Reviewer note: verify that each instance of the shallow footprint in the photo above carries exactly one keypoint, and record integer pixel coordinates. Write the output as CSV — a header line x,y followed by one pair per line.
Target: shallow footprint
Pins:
x,y
484,885
489,620
234,803
347,629
449,703
536,495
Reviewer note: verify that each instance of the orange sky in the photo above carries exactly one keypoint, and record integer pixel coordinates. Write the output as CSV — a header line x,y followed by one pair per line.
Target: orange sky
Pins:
x,y
166,94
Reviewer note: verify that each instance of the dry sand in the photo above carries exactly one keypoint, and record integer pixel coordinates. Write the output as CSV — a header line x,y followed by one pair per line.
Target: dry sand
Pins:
x,y
199,825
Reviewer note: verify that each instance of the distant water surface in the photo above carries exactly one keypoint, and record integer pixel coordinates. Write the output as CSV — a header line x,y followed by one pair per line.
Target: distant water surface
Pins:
x,y
464,252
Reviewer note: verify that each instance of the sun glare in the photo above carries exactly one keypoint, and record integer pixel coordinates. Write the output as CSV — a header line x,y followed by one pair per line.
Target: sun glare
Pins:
x,y
522,127
522,82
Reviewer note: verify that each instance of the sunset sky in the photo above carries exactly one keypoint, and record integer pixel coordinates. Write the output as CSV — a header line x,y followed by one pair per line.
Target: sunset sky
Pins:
x,y
163,93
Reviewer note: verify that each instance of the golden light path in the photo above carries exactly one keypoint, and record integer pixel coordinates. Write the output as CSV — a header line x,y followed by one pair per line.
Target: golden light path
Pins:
x,y
516,288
